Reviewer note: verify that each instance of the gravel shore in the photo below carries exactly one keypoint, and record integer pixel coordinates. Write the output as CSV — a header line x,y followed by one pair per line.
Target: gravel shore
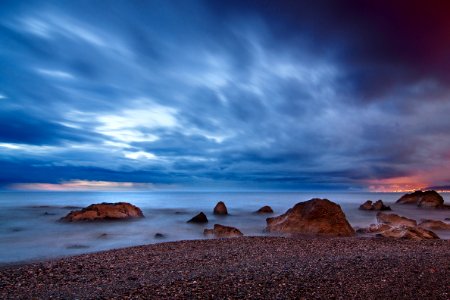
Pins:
x,y
244,268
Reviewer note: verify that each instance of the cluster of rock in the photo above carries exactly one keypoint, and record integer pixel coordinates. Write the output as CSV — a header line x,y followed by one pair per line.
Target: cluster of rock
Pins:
x,y
395,226
105,211
378,206
424,199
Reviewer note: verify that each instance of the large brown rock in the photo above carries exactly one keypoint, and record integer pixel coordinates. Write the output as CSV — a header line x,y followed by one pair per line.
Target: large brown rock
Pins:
x,y
265,210
105,211
434,225
314,217
423,199
409,233
395,220
221,231
200,218
220,209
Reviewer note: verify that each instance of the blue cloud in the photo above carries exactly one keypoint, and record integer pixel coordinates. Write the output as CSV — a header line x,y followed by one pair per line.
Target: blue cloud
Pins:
x,y
221,94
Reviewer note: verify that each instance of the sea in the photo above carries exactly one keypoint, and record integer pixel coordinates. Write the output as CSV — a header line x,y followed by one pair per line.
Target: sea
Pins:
x,y
30,229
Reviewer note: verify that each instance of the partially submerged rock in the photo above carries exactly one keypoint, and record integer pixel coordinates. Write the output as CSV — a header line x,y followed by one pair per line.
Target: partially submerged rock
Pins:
x,y
105,211
409,233
423,199
265,210
220,209
374,228
221,231
395,226
159,235
434,225
314,217
395,220
200,218
366,205
378,206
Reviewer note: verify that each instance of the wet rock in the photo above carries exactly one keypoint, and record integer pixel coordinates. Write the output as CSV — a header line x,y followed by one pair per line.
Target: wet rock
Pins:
x,y
434,225
366,205
313,217
378,206
265,210
409,233
105,211
77,246
49,214
220,209
395,220
221,231
103,236
374,228
423,199
200,218
159,235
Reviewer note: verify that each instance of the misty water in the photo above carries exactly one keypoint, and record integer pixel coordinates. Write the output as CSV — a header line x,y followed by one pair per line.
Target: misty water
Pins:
x,y
29,227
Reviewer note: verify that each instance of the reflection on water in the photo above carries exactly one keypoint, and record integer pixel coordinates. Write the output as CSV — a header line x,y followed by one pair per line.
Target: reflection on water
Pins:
x,y
29,227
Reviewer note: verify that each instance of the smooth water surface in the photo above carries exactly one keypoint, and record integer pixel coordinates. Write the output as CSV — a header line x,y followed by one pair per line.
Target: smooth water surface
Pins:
x,y
29,227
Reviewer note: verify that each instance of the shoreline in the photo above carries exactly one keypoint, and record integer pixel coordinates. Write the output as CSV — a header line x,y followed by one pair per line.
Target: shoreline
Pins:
x,y
245,267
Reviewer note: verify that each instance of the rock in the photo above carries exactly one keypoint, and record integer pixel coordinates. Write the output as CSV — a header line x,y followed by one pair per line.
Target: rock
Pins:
x,y
103,236
434,225
374,228
423,199
221,231
409,233
200,218
77,246
366,205
220,209
395,220
159,235
265,210
447,219
105,211
313,217
378,205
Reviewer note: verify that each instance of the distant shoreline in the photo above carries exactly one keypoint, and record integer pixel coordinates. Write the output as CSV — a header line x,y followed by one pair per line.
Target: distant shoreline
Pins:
x,y
247,267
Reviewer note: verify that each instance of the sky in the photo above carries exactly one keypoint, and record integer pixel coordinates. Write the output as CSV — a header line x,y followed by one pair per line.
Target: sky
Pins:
x,y
224,95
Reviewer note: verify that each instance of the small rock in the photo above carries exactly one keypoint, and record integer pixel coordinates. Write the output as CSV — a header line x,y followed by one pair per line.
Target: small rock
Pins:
x,y
220,209
159,235
265,210
366,205
200,218
378,206
221,231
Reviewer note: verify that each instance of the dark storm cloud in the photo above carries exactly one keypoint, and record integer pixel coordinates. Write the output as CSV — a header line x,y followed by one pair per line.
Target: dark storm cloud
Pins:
x,y
260,94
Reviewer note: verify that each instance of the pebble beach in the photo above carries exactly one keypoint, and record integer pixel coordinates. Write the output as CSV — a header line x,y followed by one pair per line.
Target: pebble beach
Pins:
x,y
242,268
